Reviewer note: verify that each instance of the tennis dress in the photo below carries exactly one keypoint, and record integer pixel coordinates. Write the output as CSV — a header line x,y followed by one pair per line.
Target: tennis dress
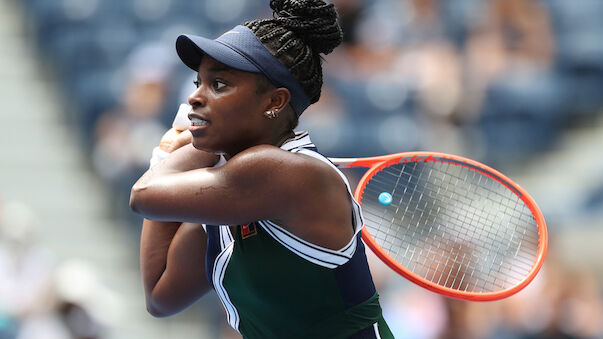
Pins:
x,y
275,285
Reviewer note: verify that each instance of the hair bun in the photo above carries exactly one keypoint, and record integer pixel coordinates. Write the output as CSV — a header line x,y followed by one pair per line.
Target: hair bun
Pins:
x,y
313,21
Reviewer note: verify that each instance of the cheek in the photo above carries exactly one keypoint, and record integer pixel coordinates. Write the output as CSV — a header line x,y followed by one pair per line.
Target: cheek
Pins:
x,y
243,109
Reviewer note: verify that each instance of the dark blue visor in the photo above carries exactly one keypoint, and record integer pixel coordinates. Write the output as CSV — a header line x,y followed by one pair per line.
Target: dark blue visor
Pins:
x,y
240,49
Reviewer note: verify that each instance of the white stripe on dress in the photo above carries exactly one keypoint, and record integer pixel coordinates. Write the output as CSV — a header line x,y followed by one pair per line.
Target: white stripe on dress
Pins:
x,y
307,249
283,240
220,266
302,139
376,327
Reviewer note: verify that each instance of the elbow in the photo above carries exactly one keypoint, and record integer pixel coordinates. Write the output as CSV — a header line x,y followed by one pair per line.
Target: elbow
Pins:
x,y
137,198
154,309
134,201
145,203
160,304
156,312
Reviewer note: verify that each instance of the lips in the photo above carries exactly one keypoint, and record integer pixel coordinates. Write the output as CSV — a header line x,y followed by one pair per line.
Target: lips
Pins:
x,y
198,124
195,121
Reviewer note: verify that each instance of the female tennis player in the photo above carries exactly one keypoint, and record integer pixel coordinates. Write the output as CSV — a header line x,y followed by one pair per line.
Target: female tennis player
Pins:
x,y
246,206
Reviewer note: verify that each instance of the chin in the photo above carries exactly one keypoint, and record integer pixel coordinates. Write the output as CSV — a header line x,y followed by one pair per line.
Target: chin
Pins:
x,y
199,145
205,147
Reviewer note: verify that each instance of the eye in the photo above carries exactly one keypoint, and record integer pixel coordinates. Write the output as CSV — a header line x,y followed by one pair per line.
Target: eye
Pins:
x,y
197,83
218,85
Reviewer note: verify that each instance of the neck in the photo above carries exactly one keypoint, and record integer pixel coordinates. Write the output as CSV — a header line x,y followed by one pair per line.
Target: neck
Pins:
x,y
284,137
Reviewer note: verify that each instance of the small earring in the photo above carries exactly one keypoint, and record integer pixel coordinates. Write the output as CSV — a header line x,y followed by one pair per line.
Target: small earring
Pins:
x,y
271,114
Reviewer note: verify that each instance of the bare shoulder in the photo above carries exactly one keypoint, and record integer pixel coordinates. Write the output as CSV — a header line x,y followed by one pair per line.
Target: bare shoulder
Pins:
x,y
312,199
281,165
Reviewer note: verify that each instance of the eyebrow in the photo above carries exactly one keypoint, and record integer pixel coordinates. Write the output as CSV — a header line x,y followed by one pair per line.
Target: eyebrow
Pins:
x,y
217,69
212,70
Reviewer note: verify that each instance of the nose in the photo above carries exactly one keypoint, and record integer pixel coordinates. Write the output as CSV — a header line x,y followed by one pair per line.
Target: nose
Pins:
x,y
197,98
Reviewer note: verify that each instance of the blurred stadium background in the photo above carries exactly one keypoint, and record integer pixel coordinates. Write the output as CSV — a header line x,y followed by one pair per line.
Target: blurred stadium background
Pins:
x,y
89,86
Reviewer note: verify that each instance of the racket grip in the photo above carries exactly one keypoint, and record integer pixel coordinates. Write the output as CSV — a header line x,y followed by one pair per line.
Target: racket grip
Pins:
x,y
181,121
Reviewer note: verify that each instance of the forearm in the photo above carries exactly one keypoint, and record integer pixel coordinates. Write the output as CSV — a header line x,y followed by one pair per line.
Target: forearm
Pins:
x,y
184,159
172,259
155,241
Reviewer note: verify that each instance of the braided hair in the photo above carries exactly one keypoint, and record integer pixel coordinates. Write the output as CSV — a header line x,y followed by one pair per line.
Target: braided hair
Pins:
x,y
299,32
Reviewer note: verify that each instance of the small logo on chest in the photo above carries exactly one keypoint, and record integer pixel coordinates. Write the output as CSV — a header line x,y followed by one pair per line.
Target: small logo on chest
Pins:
x,y
248,230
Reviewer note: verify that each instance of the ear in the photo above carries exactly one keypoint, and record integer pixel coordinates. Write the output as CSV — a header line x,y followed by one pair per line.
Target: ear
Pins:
x,y
279,99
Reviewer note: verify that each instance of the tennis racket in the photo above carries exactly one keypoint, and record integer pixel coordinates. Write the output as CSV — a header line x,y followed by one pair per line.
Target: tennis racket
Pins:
x,y
450,224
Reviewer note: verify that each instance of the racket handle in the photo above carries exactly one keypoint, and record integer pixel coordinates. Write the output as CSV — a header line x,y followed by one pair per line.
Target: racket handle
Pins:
x,y
181,121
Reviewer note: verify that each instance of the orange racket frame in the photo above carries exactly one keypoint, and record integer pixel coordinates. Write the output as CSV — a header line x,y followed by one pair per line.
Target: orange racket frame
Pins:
x,y
375,164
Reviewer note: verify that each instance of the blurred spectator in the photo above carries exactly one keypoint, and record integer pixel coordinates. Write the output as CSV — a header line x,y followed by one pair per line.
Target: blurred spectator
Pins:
x,y
84,305
413,313
126,135
31,306
326,120
511,85
26,270
369,46
514,37
562,302
565,303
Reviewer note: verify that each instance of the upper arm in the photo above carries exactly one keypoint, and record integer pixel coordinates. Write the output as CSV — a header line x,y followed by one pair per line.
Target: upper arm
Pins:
x,y
263,182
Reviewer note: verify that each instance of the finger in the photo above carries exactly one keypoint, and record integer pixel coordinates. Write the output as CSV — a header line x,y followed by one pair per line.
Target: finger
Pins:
x,y
184,138
168,139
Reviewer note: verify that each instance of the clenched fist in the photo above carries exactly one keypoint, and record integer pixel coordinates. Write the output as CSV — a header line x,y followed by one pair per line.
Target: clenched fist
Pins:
x,y
174,139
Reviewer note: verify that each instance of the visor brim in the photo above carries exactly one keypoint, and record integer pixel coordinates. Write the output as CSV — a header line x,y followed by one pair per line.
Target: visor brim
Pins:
x,y
192,48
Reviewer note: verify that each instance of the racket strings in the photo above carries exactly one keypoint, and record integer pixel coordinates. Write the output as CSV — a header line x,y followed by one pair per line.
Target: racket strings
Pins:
x,y
452,225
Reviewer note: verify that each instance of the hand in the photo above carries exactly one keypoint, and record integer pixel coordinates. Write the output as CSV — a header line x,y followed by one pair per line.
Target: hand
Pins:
x,y
174,139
